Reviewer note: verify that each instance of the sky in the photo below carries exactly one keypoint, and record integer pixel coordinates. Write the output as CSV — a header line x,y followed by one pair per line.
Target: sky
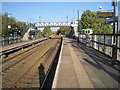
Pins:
x,y
50,11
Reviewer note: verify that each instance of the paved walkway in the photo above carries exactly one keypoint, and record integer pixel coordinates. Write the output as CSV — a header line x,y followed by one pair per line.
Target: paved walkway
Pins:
x,y
82,67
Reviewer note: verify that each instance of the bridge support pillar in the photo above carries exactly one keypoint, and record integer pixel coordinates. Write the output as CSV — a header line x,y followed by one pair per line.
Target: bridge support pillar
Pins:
x,y
95,39
75,31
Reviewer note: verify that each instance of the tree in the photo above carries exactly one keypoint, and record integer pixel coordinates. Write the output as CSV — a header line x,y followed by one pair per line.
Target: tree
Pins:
x,y
63,30
12,23
15,25
4,24
21,25
47,31
89,20
39,33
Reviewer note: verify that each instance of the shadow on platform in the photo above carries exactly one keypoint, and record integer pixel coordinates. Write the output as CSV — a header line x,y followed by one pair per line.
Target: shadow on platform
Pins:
x,y
41,74
99,60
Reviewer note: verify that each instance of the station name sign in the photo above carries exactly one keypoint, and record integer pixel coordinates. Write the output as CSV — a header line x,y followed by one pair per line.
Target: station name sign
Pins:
x,y
105,15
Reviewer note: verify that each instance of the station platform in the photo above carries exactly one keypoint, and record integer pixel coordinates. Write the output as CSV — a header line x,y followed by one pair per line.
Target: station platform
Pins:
x,y
80,66
2,48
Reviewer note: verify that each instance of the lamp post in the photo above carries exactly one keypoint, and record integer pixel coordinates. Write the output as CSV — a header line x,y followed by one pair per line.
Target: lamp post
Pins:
x,y
114,49
9,27
78,23
39,21
101,9
78,26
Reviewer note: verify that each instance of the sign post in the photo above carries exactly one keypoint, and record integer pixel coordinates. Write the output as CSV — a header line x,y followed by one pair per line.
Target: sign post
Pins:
x,y
114,49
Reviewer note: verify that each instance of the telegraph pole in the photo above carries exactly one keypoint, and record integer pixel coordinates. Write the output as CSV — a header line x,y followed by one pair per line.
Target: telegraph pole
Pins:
x,y
39,21
114,49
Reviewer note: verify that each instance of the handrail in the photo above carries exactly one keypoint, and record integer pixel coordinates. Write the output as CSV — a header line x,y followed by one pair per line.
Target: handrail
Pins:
x,y
106,34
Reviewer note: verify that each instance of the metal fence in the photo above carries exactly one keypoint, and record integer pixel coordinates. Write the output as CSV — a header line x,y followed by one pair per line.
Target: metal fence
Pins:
x,y
102,43
9,40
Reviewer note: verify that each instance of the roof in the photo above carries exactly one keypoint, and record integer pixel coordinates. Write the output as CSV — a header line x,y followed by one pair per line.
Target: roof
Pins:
x,y
111,20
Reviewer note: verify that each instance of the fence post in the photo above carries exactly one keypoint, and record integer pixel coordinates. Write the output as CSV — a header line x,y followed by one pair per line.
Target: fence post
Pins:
x,y
95,39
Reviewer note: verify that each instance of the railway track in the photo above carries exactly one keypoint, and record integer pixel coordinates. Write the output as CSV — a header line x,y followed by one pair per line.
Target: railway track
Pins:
x,y
13,49
33,77
18,57
22,50
23,76
19,66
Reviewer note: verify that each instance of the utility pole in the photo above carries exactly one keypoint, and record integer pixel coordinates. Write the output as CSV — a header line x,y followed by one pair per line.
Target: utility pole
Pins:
x,y
114,49
67,18
39,20
78,23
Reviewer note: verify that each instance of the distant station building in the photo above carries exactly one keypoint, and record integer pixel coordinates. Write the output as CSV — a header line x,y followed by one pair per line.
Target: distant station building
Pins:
x,y
87,31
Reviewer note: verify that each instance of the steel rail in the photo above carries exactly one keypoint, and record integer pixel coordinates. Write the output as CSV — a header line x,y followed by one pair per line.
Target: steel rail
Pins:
x,y
7,68
11,50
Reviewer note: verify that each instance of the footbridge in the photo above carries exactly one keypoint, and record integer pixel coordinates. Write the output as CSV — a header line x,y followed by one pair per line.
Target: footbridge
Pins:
x,y
56,24
73,26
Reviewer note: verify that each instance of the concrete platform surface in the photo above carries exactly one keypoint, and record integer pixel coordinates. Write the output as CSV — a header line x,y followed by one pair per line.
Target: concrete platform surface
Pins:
x,y
80,66
71,72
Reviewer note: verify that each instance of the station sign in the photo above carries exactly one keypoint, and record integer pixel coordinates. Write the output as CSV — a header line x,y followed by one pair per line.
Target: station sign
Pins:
x,y
105,15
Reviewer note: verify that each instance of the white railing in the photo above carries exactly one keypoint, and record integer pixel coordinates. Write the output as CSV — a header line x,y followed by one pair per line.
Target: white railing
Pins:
x,y
56,24
102,43
9,40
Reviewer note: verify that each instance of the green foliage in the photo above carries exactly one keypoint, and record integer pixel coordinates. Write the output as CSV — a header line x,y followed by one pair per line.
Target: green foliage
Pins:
x,y
63,30
89,20
15,25
39,33
47,31
4,25
54,32
21,25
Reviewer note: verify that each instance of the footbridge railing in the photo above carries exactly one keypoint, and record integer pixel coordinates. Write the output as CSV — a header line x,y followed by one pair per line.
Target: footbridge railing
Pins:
x,y
56,24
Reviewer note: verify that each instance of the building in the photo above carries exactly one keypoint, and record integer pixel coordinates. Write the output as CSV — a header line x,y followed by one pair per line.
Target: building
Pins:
x,y
87,31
